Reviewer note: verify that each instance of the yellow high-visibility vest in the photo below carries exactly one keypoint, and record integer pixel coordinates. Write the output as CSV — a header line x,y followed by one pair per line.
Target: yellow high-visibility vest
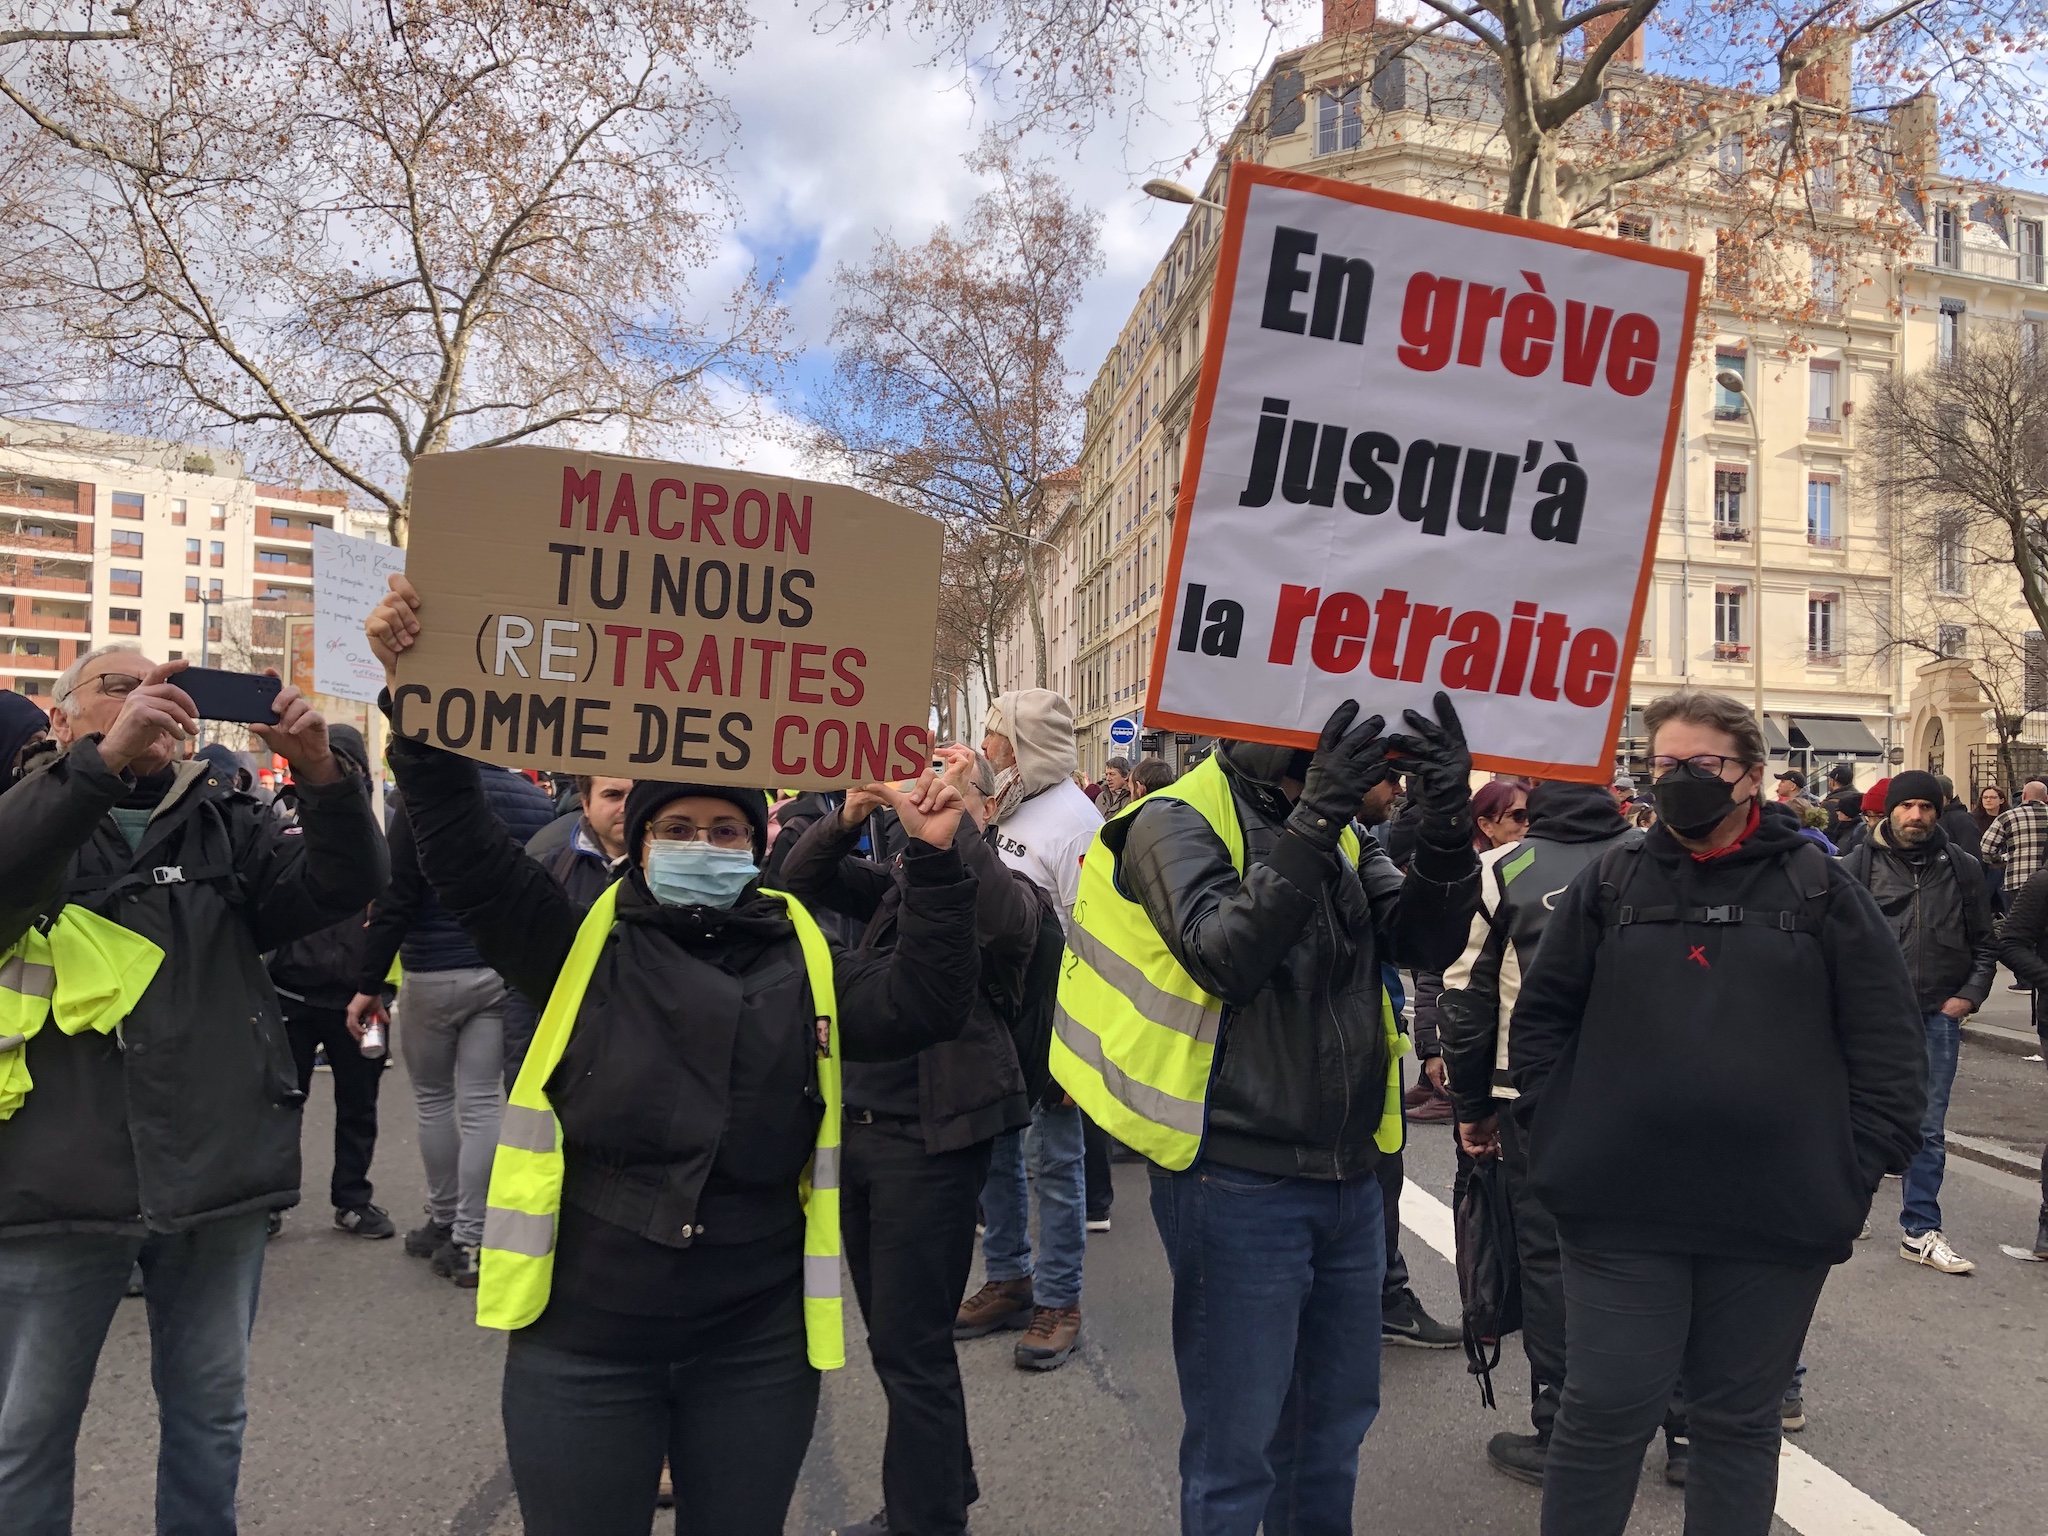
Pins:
x,y
80,969
517,1261
1134,1035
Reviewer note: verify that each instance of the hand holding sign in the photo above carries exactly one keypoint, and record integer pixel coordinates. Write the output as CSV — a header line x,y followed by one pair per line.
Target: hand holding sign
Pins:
x,y
1347,765
394,625
1442,777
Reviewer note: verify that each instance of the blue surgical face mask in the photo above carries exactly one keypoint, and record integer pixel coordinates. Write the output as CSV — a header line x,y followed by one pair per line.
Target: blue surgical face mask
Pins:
x,y
696,874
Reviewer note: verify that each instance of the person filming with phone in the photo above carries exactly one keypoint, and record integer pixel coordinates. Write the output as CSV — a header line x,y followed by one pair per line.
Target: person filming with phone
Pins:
x,y
166,1129
662,1233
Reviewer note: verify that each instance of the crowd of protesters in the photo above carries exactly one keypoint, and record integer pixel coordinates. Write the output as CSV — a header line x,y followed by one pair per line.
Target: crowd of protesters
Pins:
x,y
680,1050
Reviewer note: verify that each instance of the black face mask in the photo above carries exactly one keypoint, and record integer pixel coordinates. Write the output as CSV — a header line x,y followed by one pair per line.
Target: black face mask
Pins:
x,y
1690,805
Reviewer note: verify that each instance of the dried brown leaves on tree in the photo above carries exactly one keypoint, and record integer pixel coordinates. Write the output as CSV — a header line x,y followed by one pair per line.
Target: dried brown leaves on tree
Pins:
x,y
353,235
950,392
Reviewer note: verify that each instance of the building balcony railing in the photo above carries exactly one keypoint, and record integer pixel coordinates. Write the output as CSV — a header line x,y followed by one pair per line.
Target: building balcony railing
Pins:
x,y
63,506
15,576
1824,540
1730,533
14,661
124,589
282,533
124,626
53,621
1826,426
1823,656
1645,648
267,570
1730,650
68,544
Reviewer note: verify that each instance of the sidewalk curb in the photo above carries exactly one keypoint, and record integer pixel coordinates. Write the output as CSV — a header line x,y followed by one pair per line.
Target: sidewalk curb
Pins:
x,y
2008,1042
1993,1154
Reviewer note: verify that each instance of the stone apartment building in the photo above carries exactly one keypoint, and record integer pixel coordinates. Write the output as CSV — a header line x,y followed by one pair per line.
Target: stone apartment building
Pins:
x,y
1777,574
106,537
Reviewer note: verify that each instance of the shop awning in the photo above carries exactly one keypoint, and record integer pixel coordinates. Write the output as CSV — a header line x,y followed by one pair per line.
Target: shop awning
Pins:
x,y
1776,742
1836,737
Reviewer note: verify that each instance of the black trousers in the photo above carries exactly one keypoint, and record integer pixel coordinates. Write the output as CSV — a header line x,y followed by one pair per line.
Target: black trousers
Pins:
x,y
1731,1328
585,1435
1392,1173
907,1218
356,1077
1101,1183
1542,1279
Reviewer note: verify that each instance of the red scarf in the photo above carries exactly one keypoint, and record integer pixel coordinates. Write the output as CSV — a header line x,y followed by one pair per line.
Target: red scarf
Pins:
x,y
1756,816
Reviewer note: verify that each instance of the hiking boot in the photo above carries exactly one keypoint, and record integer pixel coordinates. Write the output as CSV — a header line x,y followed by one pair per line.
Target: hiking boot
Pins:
x,y
424,1242
1053,1333
1404,1322
1519,1456
1435,1110
1932,1249
364,1221
457,1261
1792,1410
876,1524
997,1305
1677,1459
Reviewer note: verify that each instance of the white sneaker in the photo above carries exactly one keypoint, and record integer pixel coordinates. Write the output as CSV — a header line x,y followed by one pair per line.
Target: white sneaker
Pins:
x,y
1932,1249
1864,1235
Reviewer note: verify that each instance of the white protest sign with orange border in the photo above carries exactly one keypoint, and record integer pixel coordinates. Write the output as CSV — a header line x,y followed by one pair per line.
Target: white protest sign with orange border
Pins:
x,y
1429,451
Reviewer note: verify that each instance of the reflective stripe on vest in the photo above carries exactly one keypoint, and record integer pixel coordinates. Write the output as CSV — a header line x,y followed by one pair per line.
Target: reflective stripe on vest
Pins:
x,y
1134,1035
516,1264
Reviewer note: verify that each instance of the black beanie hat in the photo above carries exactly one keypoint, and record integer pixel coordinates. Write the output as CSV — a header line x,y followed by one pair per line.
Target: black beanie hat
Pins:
x,y
649,795
1914,785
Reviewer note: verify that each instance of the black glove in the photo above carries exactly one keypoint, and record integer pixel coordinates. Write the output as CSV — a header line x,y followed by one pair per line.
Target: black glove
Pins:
x,y
1348,763
1439,764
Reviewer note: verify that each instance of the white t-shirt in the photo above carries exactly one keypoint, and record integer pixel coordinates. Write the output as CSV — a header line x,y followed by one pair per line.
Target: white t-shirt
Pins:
x,y
1046,838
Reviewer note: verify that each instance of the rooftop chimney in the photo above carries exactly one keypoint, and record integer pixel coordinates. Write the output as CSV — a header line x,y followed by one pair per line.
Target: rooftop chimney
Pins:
x,y
1916,136
1630,52
1343,17
1825,82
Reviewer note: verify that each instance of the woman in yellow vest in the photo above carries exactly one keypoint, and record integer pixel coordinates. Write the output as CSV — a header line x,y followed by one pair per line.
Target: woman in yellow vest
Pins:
x,y
662,1230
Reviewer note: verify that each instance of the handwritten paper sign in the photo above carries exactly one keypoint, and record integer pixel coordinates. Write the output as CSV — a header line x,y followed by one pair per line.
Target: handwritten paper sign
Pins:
x,y
348,581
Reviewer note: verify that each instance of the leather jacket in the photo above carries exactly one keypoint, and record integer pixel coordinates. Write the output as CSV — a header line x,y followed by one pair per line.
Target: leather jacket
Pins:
x,y
1936,903
1294,949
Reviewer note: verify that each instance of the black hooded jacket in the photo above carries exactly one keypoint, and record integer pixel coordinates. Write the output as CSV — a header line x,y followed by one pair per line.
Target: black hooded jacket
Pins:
x,y
1717,1057
1570,826
1294,949
1939,908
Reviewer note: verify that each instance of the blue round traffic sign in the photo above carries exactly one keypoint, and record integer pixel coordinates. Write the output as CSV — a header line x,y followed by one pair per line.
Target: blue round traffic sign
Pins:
x,y
1123,732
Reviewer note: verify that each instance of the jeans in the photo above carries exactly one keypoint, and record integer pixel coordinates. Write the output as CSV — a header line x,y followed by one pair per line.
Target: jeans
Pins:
x,y
451,1028
1543,1322
1101,1178
1059,1164
585,1436
1276,1341
58,1294
1922,1209
1639,1322
909,1233
356,1078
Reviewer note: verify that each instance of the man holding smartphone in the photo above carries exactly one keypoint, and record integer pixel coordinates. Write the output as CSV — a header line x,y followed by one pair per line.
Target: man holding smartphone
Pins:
x,y
172,1141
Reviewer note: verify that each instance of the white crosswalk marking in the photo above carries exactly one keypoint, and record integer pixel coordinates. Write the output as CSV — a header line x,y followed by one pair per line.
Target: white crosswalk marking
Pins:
x,y
1813,1500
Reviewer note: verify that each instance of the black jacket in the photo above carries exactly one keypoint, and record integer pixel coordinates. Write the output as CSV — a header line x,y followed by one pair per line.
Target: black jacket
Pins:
x,y
191,1111
567,849
409,922
2023,940
1710,1085
1294,949
1962,829
969,1088
1939,908
687,1093
1844,808
1570,826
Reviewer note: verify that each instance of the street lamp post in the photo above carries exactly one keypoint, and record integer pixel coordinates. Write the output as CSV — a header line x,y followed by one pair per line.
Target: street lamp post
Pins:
x,y
1738,386
1173,192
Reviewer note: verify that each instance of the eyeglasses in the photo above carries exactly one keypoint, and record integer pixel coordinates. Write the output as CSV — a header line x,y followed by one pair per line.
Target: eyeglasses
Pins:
x,y
720,834
115,685
1708,765
1514,815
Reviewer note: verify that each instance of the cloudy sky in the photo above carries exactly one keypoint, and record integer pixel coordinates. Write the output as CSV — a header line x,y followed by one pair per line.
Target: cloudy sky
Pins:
x,y
840,141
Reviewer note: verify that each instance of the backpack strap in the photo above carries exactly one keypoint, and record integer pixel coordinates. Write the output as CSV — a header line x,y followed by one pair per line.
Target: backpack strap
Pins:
x,y
1807,867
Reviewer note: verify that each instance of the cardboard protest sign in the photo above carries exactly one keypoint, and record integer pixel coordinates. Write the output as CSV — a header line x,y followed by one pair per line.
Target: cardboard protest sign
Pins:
x,y
595,614
348,581
1429,450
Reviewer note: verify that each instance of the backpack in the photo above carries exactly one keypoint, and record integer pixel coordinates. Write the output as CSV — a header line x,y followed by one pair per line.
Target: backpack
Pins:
x,y
1028,1008
1489,1269
1807,869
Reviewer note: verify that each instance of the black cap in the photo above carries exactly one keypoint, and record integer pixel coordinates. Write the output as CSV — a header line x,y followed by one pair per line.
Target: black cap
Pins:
x,y
1794,775
649,795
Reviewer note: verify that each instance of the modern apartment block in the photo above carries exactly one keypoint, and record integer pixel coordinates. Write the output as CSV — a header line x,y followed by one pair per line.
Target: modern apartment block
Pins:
x,y
106,537
1777,576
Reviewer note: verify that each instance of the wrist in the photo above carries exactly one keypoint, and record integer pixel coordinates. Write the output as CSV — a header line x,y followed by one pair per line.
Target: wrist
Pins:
x,y
320,770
